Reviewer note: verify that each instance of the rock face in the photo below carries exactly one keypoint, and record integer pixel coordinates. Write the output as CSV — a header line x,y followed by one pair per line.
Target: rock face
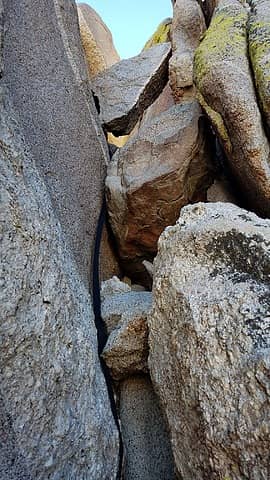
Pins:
x,y
187,27
145,193
224,81
161,35
259,38
126,350
46,76
210,341
53,398
148,452
126,89
97,40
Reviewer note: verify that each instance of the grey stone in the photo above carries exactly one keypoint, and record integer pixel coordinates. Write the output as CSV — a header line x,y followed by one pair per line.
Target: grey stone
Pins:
x,y
113,286
148,453
46,75
209,336
115,308
126,351
55,413
163,167
126,89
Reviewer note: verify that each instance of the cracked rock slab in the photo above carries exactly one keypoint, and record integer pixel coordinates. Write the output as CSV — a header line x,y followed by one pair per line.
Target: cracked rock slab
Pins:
x,y
209,338
126,89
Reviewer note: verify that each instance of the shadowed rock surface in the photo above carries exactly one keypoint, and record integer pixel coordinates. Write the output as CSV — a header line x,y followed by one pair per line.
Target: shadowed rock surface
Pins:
x,y
209,336
97,40
162,168
46,76
148,453
126,89
226,91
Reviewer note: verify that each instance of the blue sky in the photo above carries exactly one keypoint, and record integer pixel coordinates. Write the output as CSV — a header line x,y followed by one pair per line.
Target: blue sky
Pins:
x,y
131,22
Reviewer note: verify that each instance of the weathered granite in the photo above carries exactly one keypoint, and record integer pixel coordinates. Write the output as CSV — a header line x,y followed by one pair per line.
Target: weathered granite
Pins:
x,y
126,89
97,40
226,91
259,39
209,336
163,167
161,35
188,25
55,418
148,453
46,75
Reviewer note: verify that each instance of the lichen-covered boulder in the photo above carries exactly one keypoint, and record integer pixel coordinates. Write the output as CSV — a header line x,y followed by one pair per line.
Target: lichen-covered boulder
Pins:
x,y
209,337
187,27
226,91
96,39
161,35
259,39
160,169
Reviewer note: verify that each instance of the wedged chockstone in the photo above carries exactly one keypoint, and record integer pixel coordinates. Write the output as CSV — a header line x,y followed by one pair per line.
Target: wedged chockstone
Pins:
x,y
209,338
126,89
163,167
259,40
47,79
225,89
55,416
126,351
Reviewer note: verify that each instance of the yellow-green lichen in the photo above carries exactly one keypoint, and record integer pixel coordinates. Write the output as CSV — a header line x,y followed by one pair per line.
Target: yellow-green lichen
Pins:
x,y
225,39
259,50
161,35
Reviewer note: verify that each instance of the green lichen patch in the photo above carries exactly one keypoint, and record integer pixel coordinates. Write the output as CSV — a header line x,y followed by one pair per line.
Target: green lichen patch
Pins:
x,y
224,41
161,35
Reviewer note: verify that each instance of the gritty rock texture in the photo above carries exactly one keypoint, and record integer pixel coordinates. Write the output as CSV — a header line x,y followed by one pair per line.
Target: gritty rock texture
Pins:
x,y
162,168
55,418
97,40
161,104
224,81
126,350
46,75
209,336
208,7
187,27
259,38
148,453
126,89
221,191
118,308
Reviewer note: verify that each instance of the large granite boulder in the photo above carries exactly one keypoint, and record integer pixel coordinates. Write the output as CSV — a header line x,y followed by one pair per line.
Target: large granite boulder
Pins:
x,y
97,40
55,417
209,336
226,91
188,26
46,75
259,39
126,89
162,168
